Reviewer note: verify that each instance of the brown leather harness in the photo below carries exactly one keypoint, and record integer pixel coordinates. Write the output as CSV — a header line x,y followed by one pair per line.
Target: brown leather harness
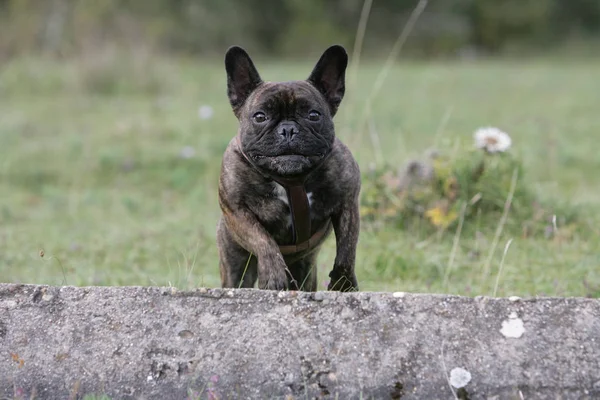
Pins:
x,y
300,211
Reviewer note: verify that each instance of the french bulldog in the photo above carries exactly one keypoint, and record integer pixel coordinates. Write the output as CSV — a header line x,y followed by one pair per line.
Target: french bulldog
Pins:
x,y
286,180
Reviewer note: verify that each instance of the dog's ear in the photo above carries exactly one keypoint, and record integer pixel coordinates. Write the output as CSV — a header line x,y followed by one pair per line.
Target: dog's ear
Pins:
x,y
242,77
329,75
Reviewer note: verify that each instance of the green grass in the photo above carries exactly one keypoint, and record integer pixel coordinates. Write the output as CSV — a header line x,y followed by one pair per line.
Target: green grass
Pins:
x,y
91,172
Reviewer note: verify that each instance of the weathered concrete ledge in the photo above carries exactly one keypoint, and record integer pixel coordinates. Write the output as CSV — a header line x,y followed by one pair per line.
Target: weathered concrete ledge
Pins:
x,y
139,342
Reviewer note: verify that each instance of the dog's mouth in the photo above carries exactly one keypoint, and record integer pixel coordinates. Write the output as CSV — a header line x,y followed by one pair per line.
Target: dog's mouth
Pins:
x,y
287,165
288,156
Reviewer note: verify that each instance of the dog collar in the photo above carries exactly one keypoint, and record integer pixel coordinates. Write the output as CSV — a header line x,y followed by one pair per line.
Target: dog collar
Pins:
x,y
299,209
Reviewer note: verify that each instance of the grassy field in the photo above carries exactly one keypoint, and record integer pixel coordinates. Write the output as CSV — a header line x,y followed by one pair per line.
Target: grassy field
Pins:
x,y
108,176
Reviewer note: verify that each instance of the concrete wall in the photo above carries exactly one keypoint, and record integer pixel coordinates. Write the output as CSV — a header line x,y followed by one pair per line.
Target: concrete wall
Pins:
x,y
134,342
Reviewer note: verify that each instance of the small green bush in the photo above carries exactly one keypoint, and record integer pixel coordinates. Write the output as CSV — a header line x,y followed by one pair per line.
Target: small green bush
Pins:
x,y
473,185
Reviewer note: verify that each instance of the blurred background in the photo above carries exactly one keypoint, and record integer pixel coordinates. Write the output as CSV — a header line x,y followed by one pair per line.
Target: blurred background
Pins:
x,y
65,28
114,118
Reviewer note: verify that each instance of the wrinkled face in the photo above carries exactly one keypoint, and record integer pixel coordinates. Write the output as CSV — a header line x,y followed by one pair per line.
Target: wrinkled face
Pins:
x,y
286,128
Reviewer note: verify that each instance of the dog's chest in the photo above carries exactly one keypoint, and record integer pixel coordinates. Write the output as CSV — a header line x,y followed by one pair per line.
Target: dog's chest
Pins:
x,y
281,195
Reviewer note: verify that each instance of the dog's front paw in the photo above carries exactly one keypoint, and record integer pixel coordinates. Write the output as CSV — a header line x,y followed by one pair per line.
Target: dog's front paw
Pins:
x,y
273,282
275,277
342,282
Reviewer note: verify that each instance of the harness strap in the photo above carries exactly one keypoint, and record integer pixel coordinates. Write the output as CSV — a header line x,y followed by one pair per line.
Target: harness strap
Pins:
x,y
300,209
309,244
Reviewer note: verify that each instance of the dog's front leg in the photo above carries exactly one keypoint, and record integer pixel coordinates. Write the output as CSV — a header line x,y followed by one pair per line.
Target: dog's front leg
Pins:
x,y
346,225
250,234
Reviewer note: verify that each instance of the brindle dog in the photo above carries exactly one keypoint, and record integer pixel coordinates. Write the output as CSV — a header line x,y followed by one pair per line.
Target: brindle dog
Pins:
x,y
286,180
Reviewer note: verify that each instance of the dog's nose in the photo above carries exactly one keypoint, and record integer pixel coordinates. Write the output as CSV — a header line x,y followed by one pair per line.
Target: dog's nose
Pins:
x,y
288,130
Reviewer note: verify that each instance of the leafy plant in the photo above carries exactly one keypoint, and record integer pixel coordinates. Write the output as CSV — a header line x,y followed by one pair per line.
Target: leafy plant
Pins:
x,y
472,184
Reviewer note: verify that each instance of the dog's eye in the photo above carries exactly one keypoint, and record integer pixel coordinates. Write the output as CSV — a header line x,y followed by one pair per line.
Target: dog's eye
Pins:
x,y
314,115
259,117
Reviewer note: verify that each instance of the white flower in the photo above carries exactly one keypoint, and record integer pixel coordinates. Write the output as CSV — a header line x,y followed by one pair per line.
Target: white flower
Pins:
x,y
492,140
205,112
